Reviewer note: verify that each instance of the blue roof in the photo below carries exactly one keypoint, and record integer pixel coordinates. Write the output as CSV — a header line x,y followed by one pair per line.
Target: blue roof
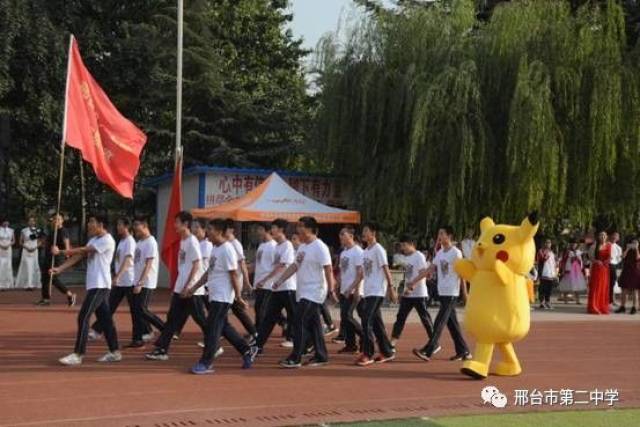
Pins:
x,y
196,170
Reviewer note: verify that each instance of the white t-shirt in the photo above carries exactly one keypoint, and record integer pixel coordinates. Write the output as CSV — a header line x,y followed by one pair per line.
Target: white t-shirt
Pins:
x,y
350,260
223,260
126,248
146,249
99,262
285,254
311,260
448,279
189,253
549,268
240,255
415,263
616,253
375,281
467,247
265,257
399,259
205,250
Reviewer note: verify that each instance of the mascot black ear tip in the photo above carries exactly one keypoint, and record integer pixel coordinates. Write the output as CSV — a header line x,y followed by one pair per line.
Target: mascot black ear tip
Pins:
x,y
533,217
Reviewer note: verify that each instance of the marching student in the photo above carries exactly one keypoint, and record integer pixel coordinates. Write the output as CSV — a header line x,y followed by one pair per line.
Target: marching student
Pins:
x,y
265,258
224,288
449,286
415,289
62,242
99,252
377,284
145,271
314,276
123,279
351,291
7,240
29,271
238,310
283,296
199,230
182,306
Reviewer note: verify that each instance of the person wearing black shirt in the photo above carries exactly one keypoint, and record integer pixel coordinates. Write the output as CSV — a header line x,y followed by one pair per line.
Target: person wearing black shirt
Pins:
x,y
62,241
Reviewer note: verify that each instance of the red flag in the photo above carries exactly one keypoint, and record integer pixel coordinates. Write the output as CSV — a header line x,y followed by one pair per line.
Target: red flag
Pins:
x,y
107,140
171,238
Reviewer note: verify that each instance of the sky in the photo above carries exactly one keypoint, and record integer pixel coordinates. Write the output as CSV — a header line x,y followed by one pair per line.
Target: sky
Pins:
x,y
314,18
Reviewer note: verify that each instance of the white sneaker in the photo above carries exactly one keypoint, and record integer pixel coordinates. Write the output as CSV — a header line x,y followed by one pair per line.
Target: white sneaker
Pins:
x,y
93,335
148,337
71,359
286,344
200,344
219,352
109,357
394,342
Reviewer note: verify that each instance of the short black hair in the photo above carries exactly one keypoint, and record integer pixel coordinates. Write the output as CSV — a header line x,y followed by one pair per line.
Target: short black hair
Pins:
x,y
280,223
407,238
185,217
99,218
124,221
142,219
230,224
201,222
219,224
447,229
371,226
263,225
310,223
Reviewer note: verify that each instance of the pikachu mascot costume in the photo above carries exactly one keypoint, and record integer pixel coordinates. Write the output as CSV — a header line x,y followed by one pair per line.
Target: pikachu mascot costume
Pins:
x,y
497,312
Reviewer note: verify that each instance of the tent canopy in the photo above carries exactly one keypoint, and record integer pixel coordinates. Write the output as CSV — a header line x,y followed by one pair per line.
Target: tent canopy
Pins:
x,y
273,199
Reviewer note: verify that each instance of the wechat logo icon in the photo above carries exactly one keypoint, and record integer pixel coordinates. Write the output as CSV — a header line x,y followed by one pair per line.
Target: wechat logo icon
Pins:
x,y
491,394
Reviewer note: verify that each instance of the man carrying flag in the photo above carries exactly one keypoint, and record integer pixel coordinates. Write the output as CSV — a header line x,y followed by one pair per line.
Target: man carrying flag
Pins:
x,y
112,144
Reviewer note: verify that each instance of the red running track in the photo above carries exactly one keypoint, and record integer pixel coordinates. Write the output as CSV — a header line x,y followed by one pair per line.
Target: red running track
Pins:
x,y
35,390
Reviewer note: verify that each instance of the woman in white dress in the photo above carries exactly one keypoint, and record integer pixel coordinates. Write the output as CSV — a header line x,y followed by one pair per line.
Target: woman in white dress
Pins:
x,y
29,272
7,240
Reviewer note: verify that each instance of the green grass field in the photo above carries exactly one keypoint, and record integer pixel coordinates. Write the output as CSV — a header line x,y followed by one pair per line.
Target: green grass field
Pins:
x,y
595,418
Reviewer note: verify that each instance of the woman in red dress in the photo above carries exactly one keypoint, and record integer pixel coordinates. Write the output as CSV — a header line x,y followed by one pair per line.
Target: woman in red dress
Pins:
x,y
599,281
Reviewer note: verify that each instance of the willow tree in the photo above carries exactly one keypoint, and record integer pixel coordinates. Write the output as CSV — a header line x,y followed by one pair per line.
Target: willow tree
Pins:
x,y
436,116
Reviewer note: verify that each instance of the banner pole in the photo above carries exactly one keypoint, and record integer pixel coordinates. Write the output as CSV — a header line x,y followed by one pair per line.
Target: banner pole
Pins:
x,y
179,81
61,167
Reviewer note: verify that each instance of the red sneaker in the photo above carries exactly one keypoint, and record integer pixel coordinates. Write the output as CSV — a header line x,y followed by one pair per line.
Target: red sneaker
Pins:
x,y
364,360
381,358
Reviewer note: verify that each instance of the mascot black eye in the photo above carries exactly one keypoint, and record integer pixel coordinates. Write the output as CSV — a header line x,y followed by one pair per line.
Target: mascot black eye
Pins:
x,y
498,239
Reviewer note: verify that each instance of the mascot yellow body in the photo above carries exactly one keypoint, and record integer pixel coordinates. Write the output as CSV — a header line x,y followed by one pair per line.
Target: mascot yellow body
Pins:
x,y
497,312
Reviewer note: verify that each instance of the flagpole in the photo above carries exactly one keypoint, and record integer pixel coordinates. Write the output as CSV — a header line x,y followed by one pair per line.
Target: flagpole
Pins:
x,y
61,167
179,81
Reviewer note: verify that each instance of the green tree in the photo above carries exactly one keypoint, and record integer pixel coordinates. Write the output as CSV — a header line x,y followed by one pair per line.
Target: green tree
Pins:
x,y
244,100
438,116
